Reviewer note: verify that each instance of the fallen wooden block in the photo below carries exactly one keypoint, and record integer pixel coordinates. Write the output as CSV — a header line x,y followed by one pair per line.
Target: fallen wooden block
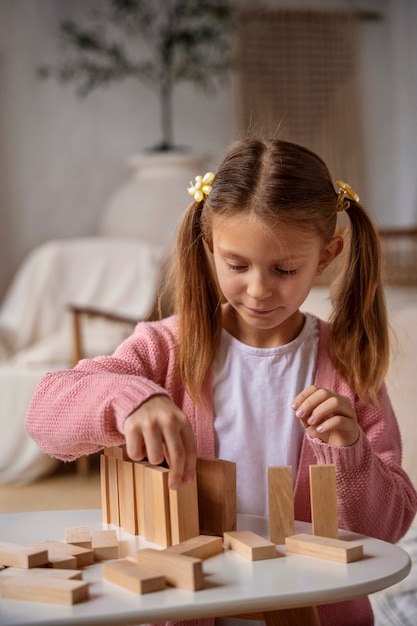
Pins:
x,y
83,556
59,560
44,589
250,545
105,545
325,548
16,555
200,547
126,573
78,536
70,574
179,570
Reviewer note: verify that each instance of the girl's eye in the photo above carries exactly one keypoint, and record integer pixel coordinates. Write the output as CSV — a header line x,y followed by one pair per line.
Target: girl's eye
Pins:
x,y
235,268
286,272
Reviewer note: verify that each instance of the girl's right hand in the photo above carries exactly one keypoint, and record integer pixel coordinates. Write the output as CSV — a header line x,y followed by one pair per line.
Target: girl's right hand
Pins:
x,y
159,430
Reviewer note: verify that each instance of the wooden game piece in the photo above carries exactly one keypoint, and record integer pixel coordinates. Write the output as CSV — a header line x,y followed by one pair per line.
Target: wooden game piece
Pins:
x,y
45,572
127,503
325,548
16,555
323,498
200,547
58,560
250,545
78,536
116,452
216,484
104,488
179,570
83,556
126,573
157,518
113,490
44,589
280,503
183,506
139,472
105,545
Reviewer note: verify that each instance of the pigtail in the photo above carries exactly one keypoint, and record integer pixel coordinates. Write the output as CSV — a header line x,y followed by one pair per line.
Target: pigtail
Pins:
x,y
197,303
359,337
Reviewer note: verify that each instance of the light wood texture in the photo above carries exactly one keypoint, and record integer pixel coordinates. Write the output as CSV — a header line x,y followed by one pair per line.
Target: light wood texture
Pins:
x,y
183,506
16,555
250,545
127,497
325,548
83,556
105,545
157,518
179,570
323,497
78,536
71,574
126,573
39,589
104,489
113,491
117,452
281,503
59,560
139,471
303,616
216,484
200,547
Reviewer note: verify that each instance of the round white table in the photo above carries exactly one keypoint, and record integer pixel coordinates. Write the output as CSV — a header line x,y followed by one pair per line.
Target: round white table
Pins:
x,y
233,585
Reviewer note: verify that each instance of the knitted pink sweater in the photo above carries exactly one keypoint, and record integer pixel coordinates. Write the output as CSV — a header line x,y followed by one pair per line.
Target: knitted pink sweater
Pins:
x,y
79,411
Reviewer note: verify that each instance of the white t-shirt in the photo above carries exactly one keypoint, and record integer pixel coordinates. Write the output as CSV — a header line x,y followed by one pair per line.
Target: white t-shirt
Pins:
x,y
254,423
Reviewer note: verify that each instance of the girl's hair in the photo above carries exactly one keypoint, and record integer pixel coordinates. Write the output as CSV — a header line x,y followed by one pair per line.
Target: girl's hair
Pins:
x,y
281,183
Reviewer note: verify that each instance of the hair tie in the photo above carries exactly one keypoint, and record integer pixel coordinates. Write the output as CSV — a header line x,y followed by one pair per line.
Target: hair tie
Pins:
x,y
345,194
201,187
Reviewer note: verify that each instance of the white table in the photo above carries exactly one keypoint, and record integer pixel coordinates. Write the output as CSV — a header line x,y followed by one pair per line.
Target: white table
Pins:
x,y
233,584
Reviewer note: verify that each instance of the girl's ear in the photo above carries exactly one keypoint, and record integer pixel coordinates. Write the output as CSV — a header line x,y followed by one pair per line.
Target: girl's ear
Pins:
x,y
329,253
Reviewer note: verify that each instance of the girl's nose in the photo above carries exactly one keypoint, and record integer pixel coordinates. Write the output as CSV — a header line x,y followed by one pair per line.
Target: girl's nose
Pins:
x,y
259,287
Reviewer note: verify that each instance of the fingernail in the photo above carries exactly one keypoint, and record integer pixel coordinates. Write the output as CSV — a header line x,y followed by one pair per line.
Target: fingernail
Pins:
x,y
319,429
310,420
294,405
299,413
174,487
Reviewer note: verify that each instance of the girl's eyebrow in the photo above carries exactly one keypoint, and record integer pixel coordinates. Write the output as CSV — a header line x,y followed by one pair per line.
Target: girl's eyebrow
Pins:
x,y
285,259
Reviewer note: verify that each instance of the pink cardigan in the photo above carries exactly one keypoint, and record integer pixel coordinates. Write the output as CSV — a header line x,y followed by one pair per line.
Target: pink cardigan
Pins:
x,y
79,411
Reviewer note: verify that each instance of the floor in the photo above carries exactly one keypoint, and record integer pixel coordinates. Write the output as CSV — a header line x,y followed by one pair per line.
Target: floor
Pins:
x,y
65,489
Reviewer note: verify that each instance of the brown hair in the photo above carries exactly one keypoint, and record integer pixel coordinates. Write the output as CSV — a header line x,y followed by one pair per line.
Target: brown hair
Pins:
x,y
281,183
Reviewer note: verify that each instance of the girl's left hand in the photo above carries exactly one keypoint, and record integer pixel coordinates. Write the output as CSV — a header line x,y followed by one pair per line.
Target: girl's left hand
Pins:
x,y
327,415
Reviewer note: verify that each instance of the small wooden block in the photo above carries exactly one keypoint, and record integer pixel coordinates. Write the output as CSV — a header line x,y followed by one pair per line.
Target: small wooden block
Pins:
x,y
183,506
130,575
127,497
83,556
280,503
116,452
325,548
104,487
200,547
216,484
139,471
157,518
113,491
16,555
179,570
58,560
78,536
323,498
44,572
250,545
44,589
105,545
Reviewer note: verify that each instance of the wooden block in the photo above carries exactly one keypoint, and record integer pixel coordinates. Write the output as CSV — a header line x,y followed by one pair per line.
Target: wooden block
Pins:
x,y
130,575
104,487
179,570
157,518
200,547
16,555
127,496
183,506
250,545
39,589
78,536
280,503
105,545
139,471
216,485
83,556
116,452
323,498
58,560
113,491
44,572
325,548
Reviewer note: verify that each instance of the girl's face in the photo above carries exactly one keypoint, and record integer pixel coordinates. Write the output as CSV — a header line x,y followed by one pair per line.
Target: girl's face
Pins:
x,y
265,275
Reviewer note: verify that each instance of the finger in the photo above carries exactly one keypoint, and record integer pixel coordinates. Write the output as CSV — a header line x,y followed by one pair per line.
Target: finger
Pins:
x,y
302,396
315,397
135,445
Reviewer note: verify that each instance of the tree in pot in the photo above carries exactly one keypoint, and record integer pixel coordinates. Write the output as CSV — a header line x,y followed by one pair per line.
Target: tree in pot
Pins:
x,y
187,41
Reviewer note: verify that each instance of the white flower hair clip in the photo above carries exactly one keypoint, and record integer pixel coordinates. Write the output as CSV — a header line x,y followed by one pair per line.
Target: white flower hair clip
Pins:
x,y
201,187
345,194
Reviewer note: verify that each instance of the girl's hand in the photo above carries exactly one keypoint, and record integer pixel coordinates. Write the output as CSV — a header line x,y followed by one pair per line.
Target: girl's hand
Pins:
x,y
159,430
327,415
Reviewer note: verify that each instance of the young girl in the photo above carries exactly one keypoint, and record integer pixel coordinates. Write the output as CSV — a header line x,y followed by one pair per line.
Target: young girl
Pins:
x,y
240,372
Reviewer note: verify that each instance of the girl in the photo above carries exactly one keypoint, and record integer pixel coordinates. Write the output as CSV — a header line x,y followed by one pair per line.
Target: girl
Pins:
x,y
240,372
